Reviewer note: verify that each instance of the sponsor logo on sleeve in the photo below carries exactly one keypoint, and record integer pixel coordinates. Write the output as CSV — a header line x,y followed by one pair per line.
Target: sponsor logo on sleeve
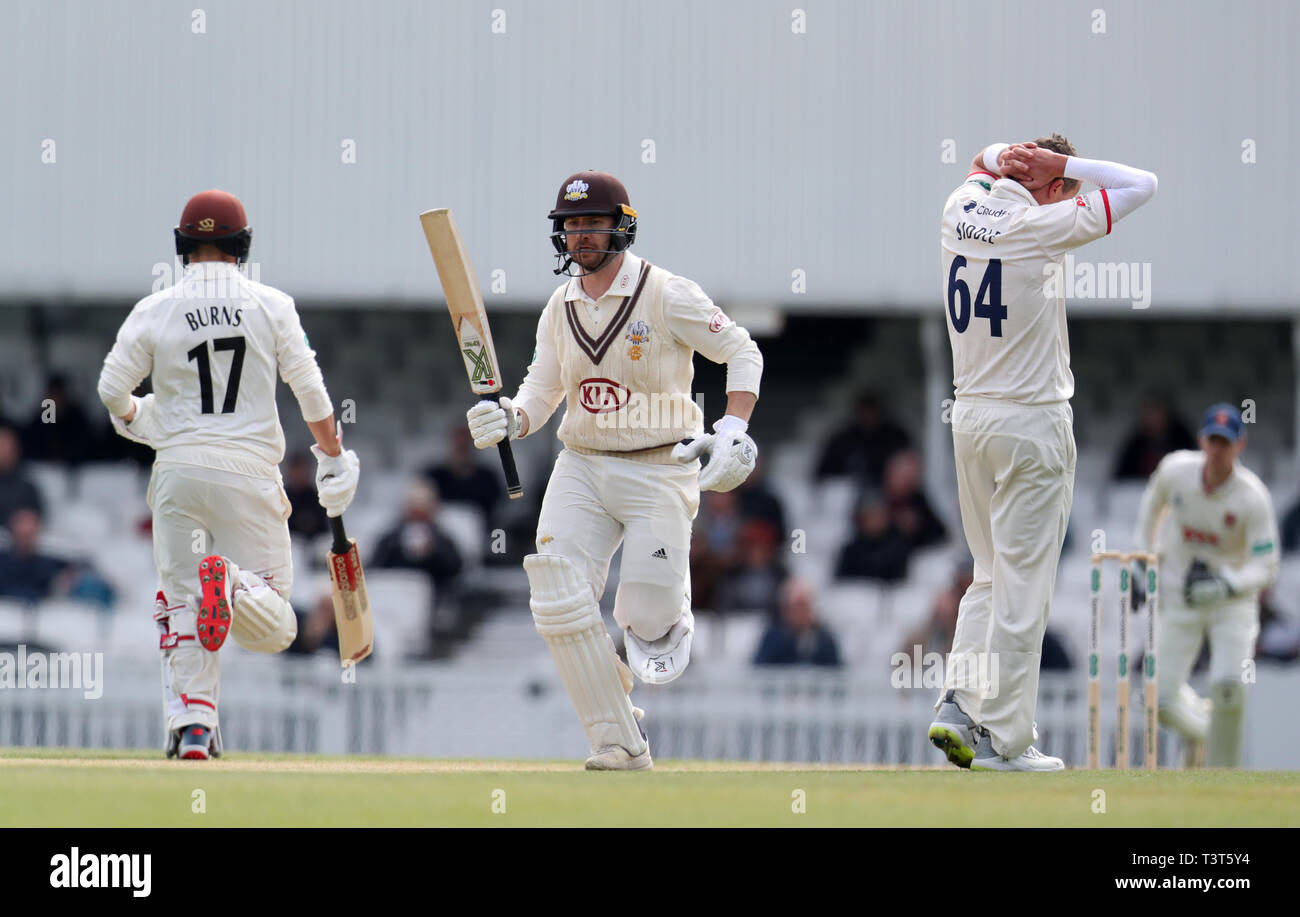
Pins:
x,y
718,321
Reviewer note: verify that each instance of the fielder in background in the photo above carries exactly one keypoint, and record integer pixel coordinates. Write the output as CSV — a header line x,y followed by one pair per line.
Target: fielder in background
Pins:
x,y
1222,552
615,342
1004,232
214,343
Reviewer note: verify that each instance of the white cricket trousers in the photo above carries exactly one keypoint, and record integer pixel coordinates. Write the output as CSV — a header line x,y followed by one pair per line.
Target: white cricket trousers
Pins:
x,y
1232,628
1015,481
196,512
595,502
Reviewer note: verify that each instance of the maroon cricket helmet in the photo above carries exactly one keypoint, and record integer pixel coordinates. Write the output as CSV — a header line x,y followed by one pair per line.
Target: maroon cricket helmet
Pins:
x,y
592,193
217,217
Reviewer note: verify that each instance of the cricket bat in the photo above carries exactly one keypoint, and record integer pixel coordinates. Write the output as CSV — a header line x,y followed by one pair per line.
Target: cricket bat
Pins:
x,y
351,602
465,303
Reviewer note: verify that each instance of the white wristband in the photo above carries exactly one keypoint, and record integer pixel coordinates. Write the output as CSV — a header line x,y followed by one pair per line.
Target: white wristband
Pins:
x,y
730,423
991,157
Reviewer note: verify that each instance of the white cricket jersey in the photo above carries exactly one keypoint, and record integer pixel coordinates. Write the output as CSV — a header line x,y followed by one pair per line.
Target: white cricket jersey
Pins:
x,y
624,362
1232,527
214,343
1006,323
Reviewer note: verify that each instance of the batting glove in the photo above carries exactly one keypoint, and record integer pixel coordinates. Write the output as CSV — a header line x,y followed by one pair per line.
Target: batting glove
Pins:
x,y
731,452
142,428
1204,587
336,479
490,422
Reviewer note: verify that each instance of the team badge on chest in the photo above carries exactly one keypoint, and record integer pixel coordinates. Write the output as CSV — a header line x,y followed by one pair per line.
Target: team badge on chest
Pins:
x,y
638,333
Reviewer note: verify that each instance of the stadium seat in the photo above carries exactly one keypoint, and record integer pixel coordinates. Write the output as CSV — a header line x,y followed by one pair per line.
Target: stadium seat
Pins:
x,y
400,602
17,621
71,626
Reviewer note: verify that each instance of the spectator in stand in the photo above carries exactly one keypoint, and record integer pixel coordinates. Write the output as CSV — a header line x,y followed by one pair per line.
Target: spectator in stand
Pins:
x,y
861,449
797,638
757,501
59,431
16,489
308,518
1291,528
753,582
317,631
1158,432
878,550
462,478
909,510
713,545
27,574
416,543
936,634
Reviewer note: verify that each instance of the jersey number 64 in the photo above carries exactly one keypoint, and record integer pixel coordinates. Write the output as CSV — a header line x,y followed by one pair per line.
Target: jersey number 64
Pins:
x,y
988,302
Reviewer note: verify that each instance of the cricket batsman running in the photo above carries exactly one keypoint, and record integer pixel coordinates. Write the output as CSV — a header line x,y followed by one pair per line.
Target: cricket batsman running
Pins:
x,y
1004,231
214,343
615,341
1223,553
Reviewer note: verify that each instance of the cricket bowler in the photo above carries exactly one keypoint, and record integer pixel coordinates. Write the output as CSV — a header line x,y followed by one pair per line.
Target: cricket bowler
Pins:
x,y
1223,552
615,342
1004,232
214,343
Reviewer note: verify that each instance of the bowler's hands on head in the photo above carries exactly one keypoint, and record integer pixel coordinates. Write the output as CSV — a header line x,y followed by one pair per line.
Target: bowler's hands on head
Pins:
x,y
1032,165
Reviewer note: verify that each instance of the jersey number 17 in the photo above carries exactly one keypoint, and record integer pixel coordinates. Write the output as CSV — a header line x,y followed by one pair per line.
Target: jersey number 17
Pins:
x,y
200,355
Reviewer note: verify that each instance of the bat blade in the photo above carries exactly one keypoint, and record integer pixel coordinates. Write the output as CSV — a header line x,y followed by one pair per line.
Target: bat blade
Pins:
x,y
351,601
464,300
469,318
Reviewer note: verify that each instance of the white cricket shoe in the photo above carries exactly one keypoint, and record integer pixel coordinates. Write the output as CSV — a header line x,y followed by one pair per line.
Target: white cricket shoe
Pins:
x,y
617,758
953,732
1031,759
657,662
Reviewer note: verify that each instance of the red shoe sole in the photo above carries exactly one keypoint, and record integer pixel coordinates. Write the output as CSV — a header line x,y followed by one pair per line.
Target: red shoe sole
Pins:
x,y
214,607
195,756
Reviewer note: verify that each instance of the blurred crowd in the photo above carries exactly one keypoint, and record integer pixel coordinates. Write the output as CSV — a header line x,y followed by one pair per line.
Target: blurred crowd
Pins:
x,y
742,544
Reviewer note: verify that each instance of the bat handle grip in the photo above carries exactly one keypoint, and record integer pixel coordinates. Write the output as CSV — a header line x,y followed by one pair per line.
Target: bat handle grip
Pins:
x,y
514,489
341,543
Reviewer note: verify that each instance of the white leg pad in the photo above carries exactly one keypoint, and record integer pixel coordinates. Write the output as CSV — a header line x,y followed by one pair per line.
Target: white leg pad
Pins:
x,y
264,622
1227,712
191,676
1186,714
568,618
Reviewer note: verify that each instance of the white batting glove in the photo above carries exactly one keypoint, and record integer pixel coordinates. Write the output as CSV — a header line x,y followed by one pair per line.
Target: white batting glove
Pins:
x,y
490,422
336,479
731,452
142,427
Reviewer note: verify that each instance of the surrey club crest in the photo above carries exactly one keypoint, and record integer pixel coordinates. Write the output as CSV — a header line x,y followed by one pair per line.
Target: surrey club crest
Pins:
x,y
637,334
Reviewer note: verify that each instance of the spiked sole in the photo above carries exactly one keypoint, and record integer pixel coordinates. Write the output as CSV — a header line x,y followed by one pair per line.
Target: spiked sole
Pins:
x,y
214,606
948,741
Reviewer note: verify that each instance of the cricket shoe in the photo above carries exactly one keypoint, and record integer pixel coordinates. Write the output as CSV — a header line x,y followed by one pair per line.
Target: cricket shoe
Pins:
x,y
193,743
618,758
657,662
953,732
1031,759
216,574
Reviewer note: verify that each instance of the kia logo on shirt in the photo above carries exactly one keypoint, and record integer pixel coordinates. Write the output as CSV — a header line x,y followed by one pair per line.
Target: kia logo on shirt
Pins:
x,y
602,396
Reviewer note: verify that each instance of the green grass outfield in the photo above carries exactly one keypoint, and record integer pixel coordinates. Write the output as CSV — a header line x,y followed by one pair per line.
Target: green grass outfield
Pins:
x,y
76,788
